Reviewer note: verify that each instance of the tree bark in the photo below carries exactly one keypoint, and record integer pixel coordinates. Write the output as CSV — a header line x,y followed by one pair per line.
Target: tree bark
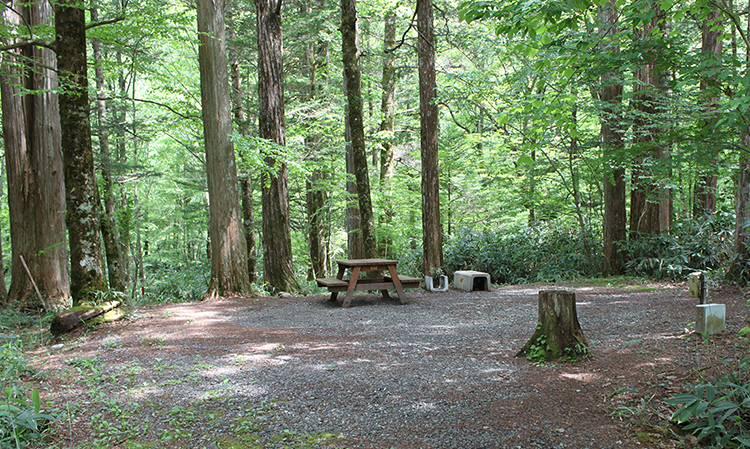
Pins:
x,y
243,127
82,192
316,58
355,247
558,333
354,117
228,247
110,233
387,125
34,163
649,202
432,232
739,266
610,94
277,239
712,47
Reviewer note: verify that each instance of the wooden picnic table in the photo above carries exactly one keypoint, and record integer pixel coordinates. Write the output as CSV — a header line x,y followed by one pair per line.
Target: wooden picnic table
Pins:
x,y
377,281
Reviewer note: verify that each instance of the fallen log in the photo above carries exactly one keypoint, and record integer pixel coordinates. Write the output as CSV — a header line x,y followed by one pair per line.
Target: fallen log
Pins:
x,y
70,319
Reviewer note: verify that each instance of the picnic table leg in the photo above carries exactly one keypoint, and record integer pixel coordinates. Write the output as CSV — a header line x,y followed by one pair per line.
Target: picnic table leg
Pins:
x,y
397,284
352,287
339,276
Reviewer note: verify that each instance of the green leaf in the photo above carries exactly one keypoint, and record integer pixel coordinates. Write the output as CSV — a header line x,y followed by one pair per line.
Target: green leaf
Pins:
x,y
35,400
525,160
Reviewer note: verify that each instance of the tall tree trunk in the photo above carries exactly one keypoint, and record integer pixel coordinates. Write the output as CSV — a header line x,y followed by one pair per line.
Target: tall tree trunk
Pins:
x,y
119,116
353,87
277,236
316,58
432,232
82,192
228,247
649,202
110,233
739,267
33,157
355,244
712,46
243,127
387,125
610,94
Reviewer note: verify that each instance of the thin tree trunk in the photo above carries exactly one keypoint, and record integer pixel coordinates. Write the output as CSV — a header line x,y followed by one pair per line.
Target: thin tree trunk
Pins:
x,y
228,246
432,232
277,239
610,94
33,157
387,125
119,115
248,219
353,87
316,56
82,192
243,127
110,233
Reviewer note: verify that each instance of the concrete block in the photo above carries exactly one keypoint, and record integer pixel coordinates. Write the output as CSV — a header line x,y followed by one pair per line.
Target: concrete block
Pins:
x,y
694,284
471,281
430,286
710,318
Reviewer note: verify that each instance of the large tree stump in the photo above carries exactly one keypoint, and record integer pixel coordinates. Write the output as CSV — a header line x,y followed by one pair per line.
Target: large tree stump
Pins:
x,y
558,333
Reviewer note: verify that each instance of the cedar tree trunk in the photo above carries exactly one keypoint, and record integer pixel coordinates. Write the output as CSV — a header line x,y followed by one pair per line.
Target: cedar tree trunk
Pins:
x,y
277,236
610,94
33,158
228,248
432,232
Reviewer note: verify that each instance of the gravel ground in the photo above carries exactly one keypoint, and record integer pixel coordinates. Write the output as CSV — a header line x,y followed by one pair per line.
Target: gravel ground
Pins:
x,y
439,372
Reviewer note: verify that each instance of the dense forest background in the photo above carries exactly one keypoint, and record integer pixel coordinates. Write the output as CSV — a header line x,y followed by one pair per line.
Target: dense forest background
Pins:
x,y
576,138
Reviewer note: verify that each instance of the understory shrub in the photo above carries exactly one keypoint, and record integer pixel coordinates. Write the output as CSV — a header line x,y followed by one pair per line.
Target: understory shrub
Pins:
x,y
21,419
718,412
692,244
542,253
175,283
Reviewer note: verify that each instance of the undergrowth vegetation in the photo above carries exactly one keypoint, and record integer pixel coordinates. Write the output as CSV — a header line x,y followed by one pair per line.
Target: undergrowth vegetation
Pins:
x,y
22,418
717,411
540,253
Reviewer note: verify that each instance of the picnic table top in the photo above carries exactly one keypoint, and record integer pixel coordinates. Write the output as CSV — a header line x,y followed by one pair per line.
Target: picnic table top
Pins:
x,y
365,262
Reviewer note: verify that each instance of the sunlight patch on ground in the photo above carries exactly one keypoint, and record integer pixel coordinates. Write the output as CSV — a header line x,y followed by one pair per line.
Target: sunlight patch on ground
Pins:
x,y
581,377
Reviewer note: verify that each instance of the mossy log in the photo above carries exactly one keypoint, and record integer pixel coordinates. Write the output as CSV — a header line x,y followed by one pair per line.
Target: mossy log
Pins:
x,y
73,317
558,333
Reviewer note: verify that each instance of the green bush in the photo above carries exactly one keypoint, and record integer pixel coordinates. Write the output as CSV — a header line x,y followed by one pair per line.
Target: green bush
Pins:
x,y
691,244
718,412
542,253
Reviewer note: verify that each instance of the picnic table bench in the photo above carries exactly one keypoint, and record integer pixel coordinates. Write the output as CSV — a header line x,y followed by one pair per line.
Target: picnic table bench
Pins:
x,y
378,282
